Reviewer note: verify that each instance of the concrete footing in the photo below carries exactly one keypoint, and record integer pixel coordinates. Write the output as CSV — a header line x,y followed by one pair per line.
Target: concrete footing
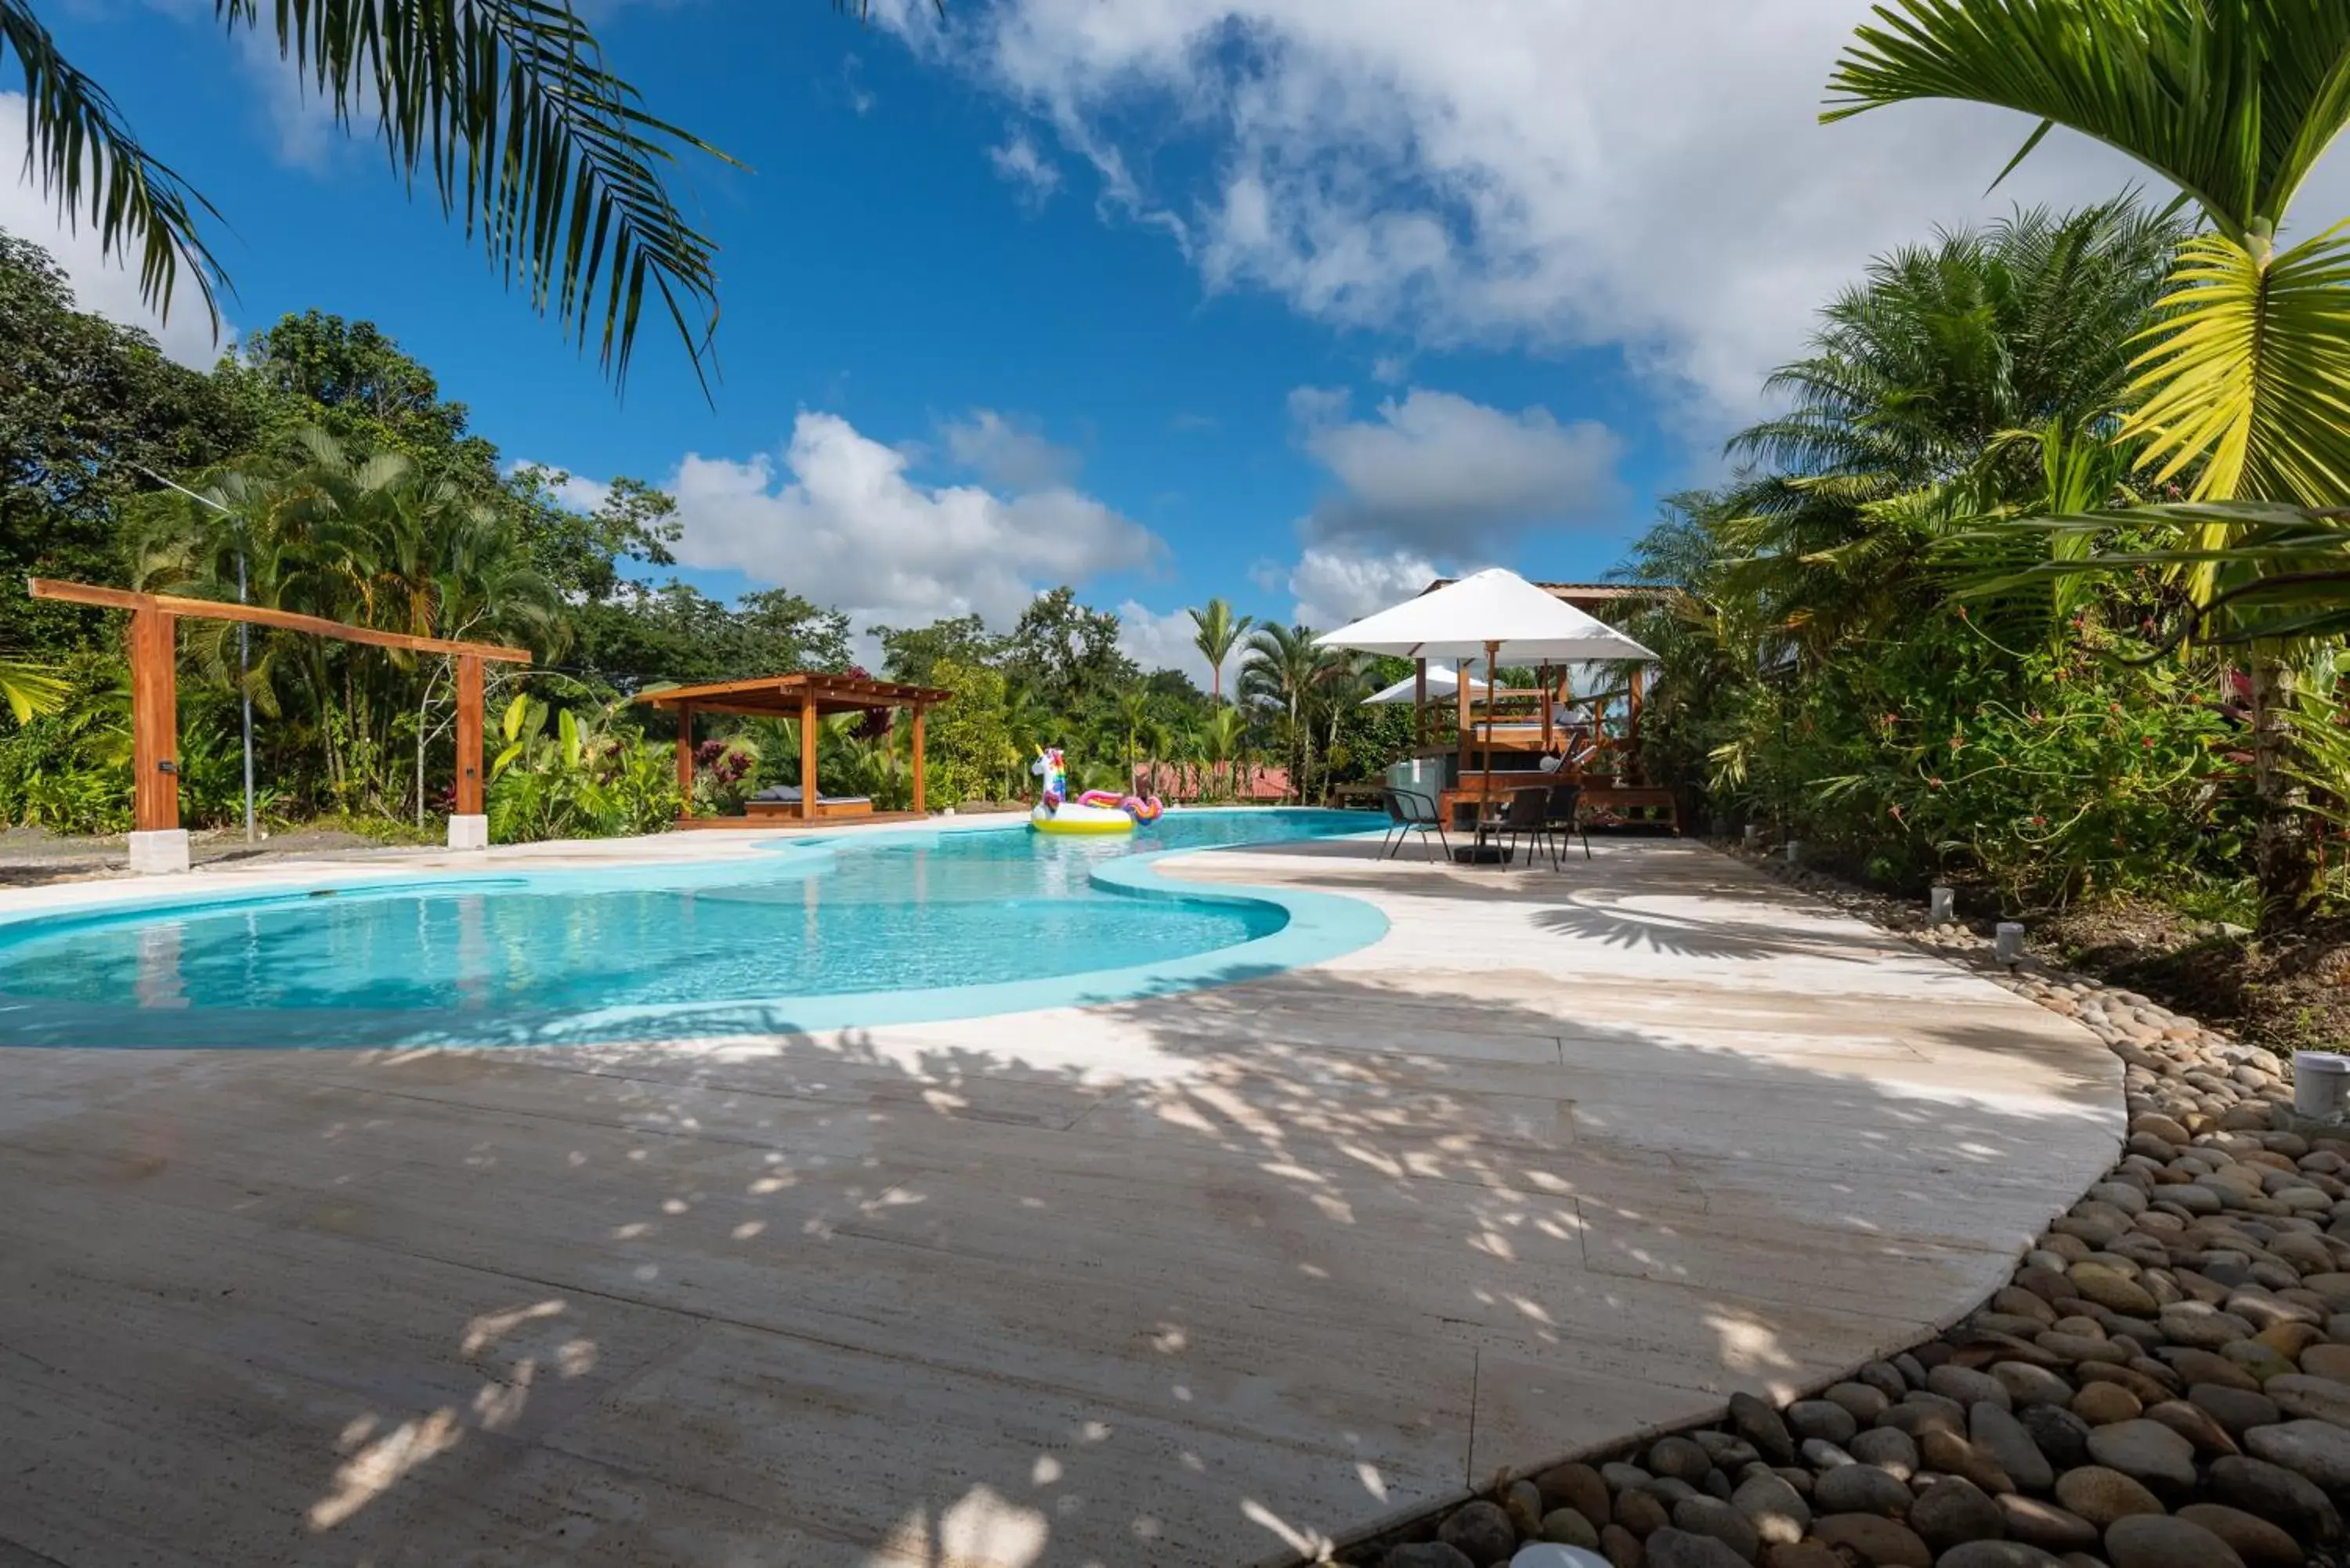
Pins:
x,y
160,852
469,833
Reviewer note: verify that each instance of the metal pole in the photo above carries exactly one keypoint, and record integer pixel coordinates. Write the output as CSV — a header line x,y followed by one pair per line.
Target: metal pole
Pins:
x,y
245,694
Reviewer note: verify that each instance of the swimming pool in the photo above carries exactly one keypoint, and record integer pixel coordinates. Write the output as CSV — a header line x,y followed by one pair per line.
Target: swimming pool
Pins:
x,y
804,934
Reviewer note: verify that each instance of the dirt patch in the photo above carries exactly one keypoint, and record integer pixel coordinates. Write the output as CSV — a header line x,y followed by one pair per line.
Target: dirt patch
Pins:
x,y
31,857
2289,992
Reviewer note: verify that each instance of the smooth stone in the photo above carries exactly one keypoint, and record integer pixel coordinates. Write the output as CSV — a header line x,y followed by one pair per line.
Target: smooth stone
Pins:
x,y
1621,1476
1678,1459
1808,1554
1955,1456
2271,1491
1621,1547
1879,1541
1549,1555
1967,1386
1640,1513
2317,1449
1883,1376
1954,1512
1568,1527
1822,1420
2060,1434
2044,1524
2311,1398
2195,1424
1578,1486
1893,1451
2201,1326
1425,1554
2109,1287
1777,1511
2155,1541
1480,1532
2327,1361
2196,1368
1763,1427
1560,1554
2101,1496
1823,1455
1676,1548
2100,1404
1864,1403
2260,1542
1712,1517
2003,1436
2234,1409
2029,1385
1671,1490
1522,1500
1860,1489
1997,1554
2146,1451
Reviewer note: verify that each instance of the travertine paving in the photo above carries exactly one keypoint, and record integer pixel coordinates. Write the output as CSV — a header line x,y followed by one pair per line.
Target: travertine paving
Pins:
x,y
1209,1279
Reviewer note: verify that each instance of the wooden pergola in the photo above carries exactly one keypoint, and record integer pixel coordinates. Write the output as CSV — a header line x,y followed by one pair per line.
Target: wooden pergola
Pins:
x,y
154,685
804,696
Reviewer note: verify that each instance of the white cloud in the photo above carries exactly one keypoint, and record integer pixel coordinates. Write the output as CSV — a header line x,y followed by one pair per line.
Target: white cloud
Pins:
x,y
1007,454
1436,473
1161,641
839,521
1337,586
568,489
103,287
1018,162
1391,370
1566,173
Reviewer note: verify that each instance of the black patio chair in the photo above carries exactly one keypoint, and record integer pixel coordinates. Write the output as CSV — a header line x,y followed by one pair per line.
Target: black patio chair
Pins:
x,y
1411,812
1563,814
1526,819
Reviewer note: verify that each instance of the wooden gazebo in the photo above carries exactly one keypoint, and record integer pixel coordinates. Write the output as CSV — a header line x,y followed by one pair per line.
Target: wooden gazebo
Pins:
x,y
805,696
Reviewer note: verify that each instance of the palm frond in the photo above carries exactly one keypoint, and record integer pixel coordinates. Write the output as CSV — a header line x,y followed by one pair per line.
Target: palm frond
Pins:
x,y
2234,110
90,164
2246,371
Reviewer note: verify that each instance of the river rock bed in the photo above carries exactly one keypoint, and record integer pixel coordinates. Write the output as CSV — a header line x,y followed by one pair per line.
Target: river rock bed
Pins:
x,y
2164,1383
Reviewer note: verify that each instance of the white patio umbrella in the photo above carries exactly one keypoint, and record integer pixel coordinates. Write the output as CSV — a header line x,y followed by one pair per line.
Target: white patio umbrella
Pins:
x,y
1495,613
1440,683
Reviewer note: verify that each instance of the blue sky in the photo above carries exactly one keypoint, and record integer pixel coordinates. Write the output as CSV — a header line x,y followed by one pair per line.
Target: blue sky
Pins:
x,y
1292,301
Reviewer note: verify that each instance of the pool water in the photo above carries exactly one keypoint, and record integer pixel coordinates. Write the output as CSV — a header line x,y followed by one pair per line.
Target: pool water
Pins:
x,y
754,942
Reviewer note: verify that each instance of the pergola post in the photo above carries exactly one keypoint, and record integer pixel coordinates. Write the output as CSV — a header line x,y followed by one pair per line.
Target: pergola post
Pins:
x,y
917,757
807,754
684,762
157,842
469,827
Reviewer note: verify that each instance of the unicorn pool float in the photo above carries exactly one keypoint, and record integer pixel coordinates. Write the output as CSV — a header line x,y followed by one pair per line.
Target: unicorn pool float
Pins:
x,y
1096,811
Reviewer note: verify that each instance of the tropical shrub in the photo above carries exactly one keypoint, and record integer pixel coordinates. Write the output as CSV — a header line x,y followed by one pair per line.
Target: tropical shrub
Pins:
x,y
589,778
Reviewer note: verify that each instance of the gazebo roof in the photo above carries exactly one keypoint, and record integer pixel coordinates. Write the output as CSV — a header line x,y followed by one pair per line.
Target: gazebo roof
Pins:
x,y
783,696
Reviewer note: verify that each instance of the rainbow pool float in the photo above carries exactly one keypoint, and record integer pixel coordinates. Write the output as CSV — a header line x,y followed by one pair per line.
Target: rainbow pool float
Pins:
x,y
1094,811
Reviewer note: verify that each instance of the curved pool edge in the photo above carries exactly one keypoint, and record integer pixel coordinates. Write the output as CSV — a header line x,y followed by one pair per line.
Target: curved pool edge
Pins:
x,y
1317,927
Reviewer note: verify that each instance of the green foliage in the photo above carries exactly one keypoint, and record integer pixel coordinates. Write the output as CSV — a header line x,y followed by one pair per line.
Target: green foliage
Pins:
x,y
971,752
584,777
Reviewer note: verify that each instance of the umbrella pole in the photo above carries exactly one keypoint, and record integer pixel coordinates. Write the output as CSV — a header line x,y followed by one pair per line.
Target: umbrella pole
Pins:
x,y
1485,794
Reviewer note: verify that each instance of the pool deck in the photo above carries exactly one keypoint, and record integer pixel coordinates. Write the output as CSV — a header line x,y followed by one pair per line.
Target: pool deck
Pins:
x,y
1206,1279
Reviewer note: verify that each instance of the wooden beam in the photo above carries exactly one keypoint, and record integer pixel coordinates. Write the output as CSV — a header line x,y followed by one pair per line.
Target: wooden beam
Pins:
x,y
684,760
469,734
154,722
259,615
917,757
807,755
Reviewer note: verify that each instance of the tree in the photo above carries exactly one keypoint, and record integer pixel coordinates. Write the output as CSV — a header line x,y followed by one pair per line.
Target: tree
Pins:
x,y
1280,669
1068,653
89,412
910,653
2239,378
970,742
1215,632
506,108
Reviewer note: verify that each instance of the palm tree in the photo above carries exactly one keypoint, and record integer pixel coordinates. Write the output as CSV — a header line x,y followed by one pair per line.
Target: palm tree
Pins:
x,y
1134,715
1220,742
1340,683
2234,104
2239,377
1279,669
506,108
1215,631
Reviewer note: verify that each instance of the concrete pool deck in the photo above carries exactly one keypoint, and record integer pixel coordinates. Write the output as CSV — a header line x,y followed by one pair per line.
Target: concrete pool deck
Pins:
x,y
1205,1279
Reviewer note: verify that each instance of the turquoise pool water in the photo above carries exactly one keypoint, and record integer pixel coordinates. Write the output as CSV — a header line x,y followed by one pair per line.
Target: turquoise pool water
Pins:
x,y
806,934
